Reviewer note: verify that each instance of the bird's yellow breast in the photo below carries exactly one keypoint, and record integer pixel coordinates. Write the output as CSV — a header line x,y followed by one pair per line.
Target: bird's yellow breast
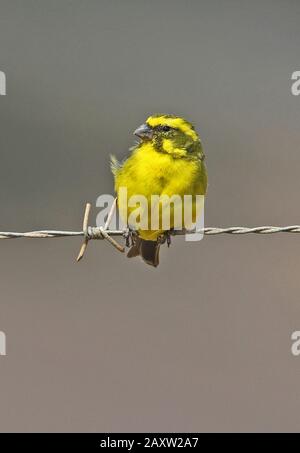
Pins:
x,y
149,172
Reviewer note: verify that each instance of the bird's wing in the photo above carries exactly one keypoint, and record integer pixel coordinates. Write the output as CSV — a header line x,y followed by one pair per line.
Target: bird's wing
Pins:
x,y
115,165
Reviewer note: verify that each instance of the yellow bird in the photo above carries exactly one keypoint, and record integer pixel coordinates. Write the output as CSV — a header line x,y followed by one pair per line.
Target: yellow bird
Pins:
x,y
168,160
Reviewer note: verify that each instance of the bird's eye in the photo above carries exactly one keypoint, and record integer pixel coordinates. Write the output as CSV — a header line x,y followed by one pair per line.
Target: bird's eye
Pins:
x,y
166,128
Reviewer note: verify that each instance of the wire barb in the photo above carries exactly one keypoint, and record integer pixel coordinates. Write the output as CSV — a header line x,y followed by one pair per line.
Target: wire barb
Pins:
x,y
97,233
85,231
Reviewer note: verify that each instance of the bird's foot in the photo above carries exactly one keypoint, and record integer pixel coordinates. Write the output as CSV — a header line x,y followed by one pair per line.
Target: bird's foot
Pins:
x,y
130,237
166,237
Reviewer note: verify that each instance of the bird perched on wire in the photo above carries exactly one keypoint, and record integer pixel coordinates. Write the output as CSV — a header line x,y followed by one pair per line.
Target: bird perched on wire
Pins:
x,y
168,160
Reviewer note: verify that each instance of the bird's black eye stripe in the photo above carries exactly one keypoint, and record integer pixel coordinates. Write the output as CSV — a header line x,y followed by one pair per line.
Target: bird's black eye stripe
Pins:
x,y
164,128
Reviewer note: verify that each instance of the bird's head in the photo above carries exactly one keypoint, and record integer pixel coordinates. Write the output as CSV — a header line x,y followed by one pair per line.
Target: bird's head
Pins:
x,y
172,135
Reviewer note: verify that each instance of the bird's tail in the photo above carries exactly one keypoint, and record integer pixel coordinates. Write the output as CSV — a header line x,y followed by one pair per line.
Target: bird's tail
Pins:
x,y
148,250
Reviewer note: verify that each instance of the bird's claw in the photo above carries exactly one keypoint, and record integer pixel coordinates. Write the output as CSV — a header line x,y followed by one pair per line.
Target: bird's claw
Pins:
x,y
130,237
166,237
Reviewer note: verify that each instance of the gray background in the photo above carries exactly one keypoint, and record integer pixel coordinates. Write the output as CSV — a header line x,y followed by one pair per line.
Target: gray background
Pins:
x,y
203,342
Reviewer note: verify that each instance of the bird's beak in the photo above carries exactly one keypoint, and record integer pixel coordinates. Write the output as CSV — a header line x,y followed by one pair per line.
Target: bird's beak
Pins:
x,y
144,132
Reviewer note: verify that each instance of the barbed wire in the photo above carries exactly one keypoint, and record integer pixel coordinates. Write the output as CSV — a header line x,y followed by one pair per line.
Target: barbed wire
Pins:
x,y
90,233
96,232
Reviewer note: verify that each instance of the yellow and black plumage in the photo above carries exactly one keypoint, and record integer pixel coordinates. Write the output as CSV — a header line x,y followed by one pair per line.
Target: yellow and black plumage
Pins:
x,y
168,160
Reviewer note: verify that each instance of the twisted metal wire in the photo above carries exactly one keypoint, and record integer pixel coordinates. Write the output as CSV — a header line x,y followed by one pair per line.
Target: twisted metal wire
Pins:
x,y
97,233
